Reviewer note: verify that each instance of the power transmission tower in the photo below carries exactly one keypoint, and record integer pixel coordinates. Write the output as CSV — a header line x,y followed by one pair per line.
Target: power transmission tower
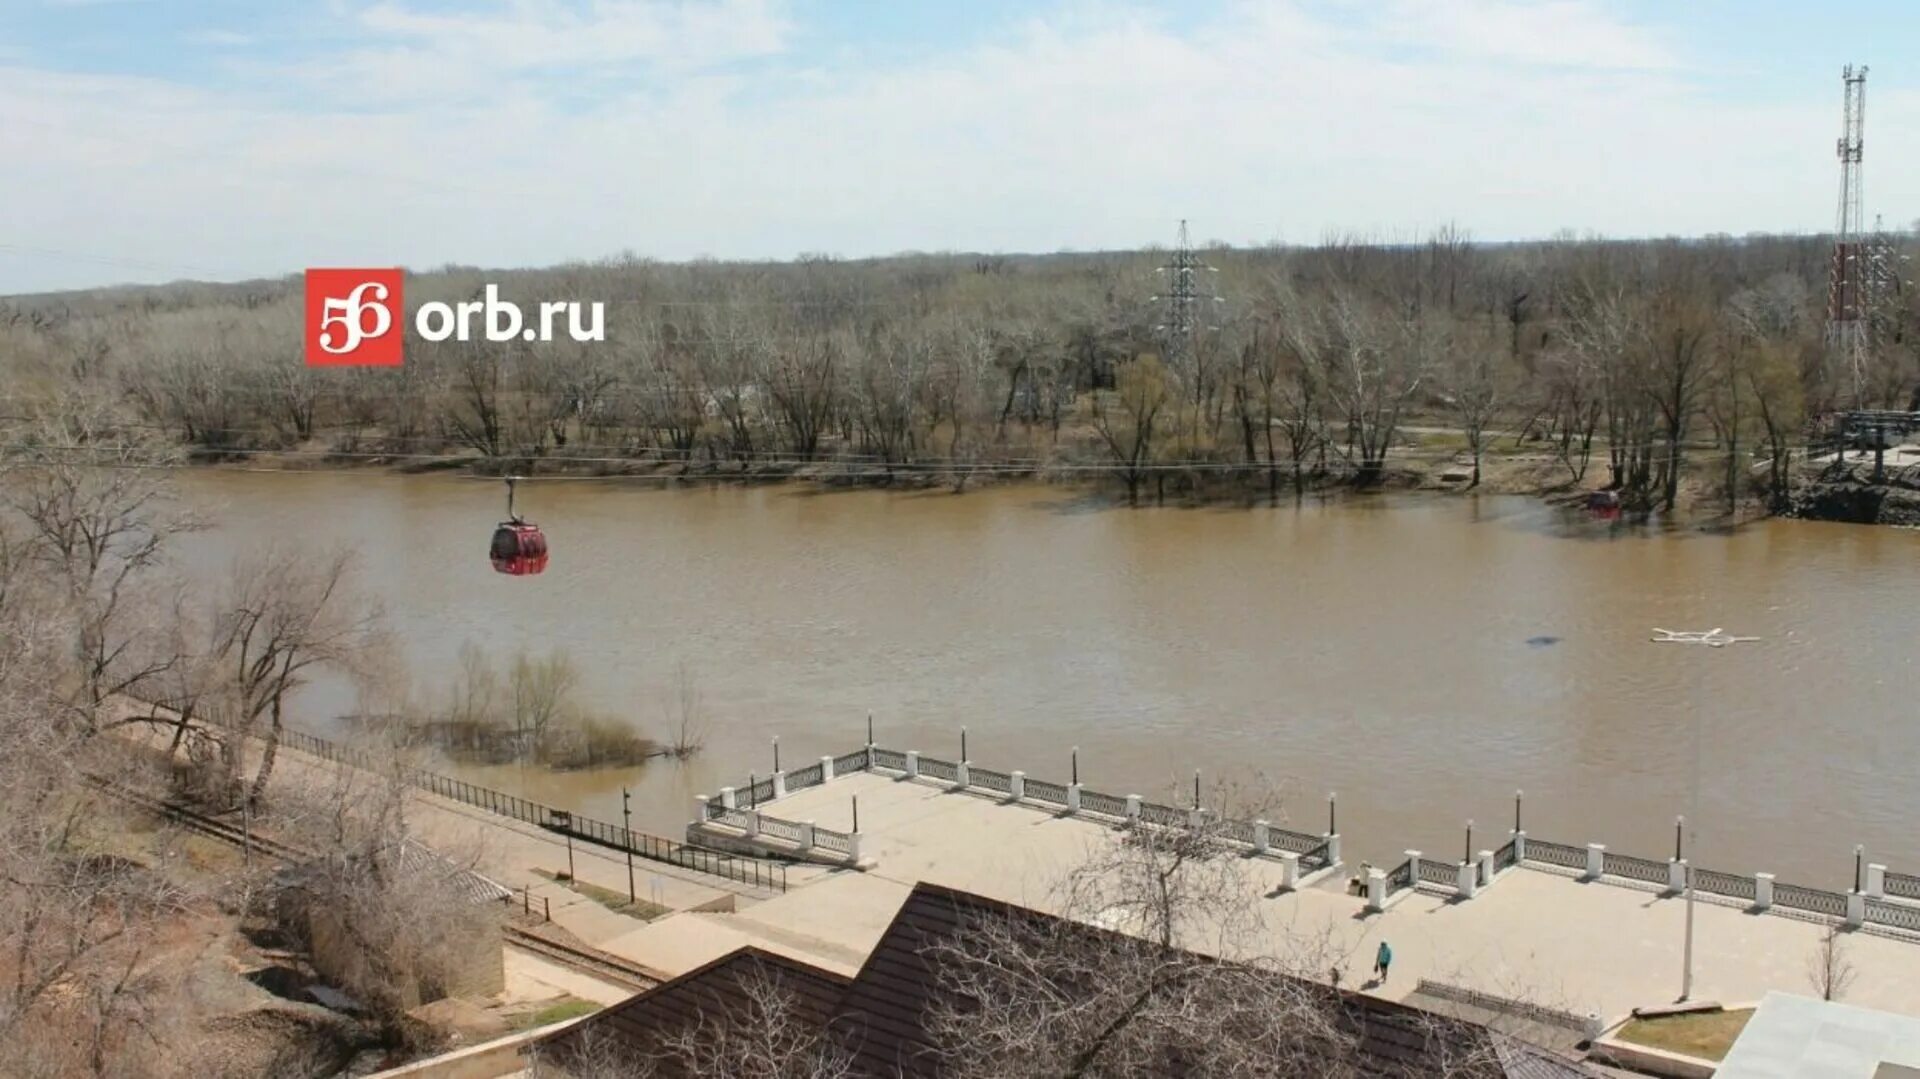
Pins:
x,y
1189,297
1848,277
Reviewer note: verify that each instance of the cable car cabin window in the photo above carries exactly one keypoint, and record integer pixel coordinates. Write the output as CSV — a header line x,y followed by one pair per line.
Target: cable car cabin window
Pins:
x,y
505,543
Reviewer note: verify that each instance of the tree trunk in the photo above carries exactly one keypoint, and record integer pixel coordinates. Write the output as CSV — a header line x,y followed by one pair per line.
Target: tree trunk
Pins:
x,y
267,754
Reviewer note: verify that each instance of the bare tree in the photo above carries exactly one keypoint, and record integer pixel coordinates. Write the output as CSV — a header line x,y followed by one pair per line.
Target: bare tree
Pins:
x,y
686,716
77,924
1473,384
1128,418
540,691
1828,968
392,921
288,612
98,517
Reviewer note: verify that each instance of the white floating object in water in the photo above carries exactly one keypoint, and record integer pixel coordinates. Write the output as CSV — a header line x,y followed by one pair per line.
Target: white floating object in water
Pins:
x,y
1713,638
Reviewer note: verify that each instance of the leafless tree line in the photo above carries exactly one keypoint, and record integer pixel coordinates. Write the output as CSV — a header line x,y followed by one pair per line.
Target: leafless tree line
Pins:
x,y
1645,354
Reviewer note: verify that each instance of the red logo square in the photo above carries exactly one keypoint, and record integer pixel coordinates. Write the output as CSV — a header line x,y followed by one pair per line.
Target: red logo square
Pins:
x,y
354,318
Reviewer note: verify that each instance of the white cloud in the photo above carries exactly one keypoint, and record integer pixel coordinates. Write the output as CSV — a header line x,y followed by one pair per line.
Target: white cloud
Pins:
x,y
1096,129
420,57
1557,33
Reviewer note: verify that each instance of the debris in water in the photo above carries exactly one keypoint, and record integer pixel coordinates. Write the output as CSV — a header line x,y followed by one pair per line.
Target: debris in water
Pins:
x,y
1542,642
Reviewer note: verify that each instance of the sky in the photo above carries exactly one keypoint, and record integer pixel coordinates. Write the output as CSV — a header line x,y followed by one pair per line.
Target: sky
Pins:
x,y
152,140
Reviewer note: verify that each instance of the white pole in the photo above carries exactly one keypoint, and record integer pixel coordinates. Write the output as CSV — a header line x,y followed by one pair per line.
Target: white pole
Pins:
x,y
1693,842
1713,638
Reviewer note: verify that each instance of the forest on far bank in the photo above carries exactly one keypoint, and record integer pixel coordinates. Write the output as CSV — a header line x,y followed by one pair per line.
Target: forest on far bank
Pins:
x,y
1628,362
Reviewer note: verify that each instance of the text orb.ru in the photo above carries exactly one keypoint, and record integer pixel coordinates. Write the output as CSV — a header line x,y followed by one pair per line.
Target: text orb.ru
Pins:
x,y
352,319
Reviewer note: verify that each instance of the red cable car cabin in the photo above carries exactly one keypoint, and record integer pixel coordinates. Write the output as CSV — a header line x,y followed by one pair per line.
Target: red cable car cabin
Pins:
x,y
519,548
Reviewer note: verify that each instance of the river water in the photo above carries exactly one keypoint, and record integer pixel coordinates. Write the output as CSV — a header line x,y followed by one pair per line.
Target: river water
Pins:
x,y
1423,656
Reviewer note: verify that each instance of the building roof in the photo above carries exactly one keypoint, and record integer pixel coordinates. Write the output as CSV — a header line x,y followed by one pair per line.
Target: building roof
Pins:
x,y
717,993
881,1017
1793,1035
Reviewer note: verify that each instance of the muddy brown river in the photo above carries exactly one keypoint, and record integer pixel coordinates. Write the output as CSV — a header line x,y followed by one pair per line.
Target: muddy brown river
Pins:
x,y
1422,656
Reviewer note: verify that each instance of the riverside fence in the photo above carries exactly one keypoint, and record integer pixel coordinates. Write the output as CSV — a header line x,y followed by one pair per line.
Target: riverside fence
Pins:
x,y
741,808
767,876
1880,898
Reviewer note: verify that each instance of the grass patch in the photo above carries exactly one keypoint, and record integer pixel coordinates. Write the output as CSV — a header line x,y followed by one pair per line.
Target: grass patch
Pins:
x,y
608,898
557,1012
1704,1034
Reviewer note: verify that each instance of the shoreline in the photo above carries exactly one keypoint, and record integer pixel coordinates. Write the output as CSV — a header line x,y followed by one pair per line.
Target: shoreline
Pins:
x,y
1212,487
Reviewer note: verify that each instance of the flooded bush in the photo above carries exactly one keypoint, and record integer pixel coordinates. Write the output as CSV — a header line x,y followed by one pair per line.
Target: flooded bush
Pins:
x,y
595,742
530,713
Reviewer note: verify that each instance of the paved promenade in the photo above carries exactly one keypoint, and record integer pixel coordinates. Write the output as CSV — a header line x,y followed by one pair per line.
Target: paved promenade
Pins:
x,y
1535,933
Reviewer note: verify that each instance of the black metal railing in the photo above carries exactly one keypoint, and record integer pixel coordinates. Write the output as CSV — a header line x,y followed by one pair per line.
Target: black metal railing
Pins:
x,y
1297,842
1433,871
1400,877
1728,884
1626,865
990,779
1897,915
755,793
1165,816
1095,802
1812,899
1042,791
1539,850
1239,831
887,758
1317,858
847,763
1506,857
767,876
828,839
1904,885
936,768
810,776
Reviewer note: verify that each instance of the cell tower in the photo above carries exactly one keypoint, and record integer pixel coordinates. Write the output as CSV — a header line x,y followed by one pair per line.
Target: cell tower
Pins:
x,y
1849,278
1189,297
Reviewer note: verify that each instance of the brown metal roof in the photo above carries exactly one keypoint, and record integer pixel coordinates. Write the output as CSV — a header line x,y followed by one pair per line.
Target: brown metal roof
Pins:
x,y
712,994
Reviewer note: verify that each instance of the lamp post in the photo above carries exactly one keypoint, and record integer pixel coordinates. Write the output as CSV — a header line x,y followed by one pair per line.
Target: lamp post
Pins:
x,y
626,818
1713,638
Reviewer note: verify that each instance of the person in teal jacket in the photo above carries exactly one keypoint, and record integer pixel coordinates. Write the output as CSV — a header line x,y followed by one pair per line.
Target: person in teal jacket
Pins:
x,y
1382,959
